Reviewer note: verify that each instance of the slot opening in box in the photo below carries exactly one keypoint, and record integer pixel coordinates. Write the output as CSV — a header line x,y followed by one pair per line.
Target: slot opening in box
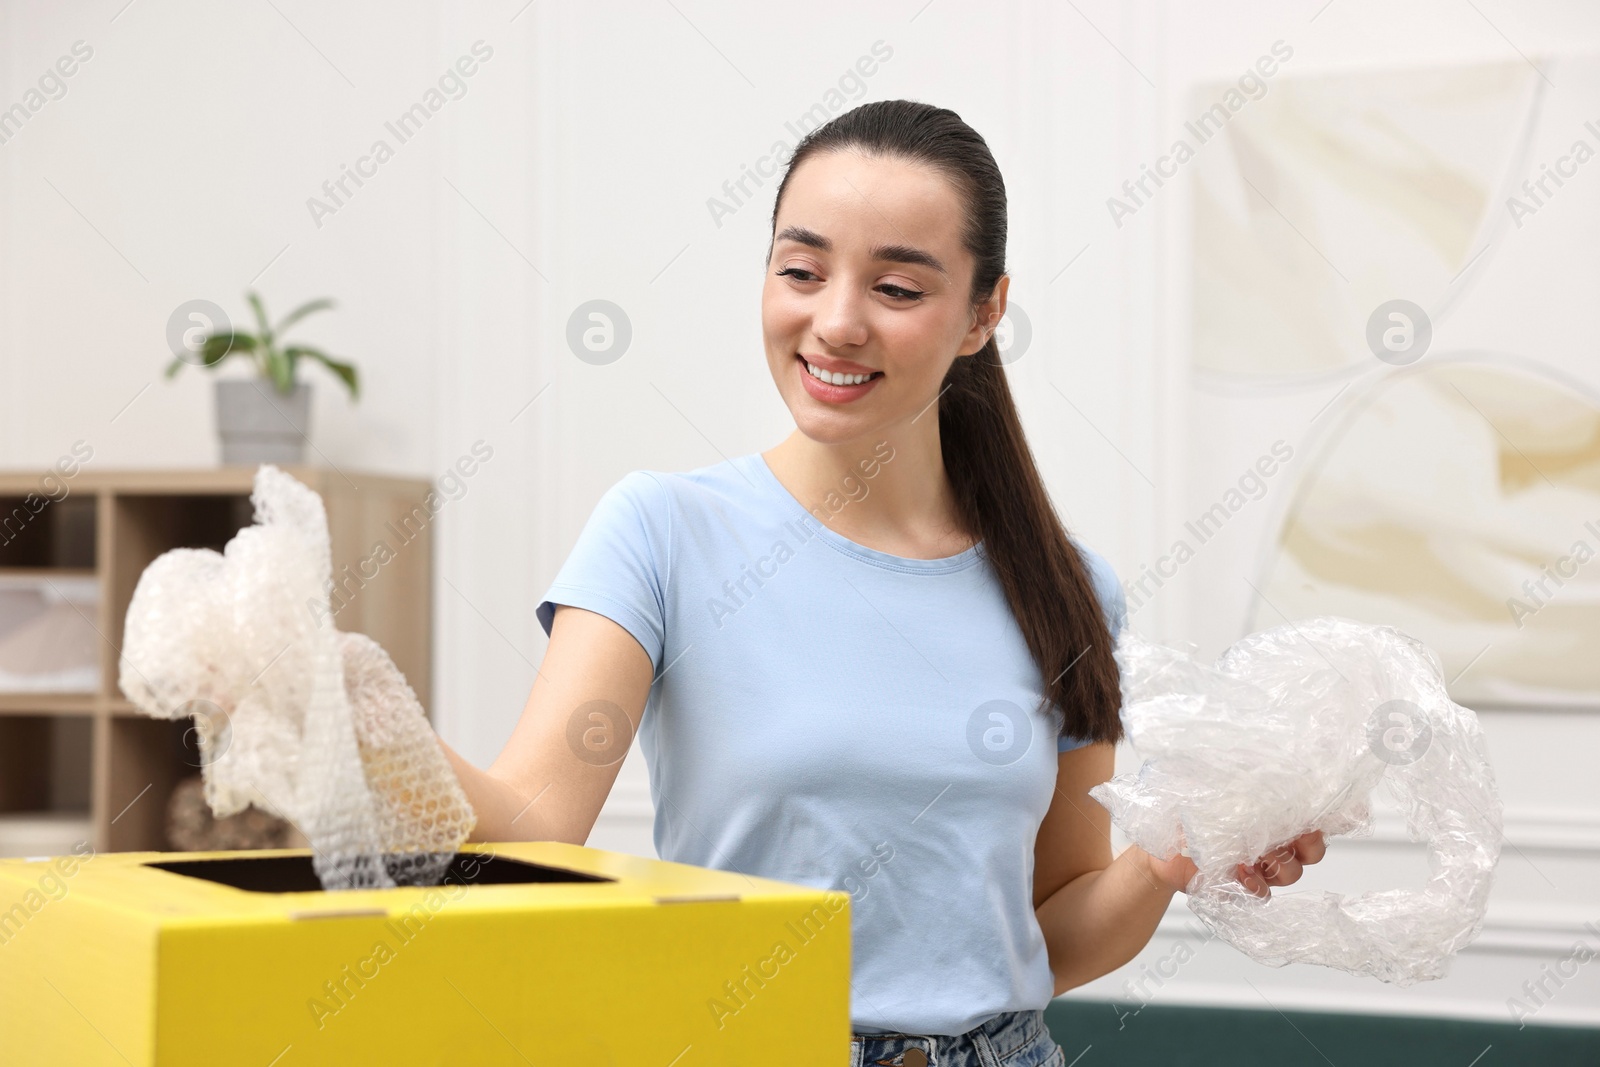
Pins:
x,y
295,874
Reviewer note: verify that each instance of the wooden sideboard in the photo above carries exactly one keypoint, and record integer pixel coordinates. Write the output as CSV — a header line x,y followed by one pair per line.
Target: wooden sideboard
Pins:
x,y
86,760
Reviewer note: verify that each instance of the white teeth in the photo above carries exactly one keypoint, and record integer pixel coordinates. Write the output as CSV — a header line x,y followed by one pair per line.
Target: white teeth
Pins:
x,y
835,379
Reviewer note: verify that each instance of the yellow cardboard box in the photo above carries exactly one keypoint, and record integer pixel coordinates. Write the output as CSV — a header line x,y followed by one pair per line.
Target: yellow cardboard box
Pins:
x,y
529,953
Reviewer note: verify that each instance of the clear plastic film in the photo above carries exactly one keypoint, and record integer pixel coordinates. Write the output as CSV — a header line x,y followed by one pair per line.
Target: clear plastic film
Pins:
x,y
294,717
1291,731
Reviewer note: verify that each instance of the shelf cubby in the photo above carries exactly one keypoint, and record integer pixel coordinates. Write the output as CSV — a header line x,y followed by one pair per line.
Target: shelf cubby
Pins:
x,y
45,782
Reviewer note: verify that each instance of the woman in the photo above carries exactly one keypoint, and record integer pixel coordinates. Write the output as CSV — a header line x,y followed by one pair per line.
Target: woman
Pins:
x,y
859,645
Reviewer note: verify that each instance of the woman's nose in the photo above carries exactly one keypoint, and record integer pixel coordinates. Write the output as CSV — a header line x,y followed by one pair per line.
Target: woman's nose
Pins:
x,y
840,319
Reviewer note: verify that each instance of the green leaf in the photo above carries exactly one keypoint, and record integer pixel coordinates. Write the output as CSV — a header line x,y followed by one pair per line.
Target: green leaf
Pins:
x,y
261,316
280,371
174,367
346,372
301,312
219,346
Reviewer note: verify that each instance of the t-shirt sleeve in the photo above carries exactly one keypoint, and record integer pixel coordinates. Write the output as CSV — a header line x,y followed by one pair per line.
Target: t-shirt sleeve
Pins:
x,y
1113,599
618,566
1113,604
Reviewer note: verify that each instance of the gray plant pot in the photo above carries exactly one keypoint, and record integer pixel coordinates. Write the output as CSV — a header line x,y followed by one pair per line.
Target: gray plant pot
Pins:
x,y
258,424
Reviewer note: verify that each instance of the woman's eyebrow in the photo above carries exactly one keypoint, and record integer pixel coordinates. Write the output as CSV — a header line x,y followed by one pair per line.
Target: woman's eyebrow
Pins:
x,y
887,253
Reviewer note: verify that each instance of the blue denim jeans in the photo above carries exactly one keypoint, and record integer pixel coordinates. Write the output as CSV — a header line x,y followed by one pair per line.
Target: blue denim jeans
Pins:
x,y
1010,1039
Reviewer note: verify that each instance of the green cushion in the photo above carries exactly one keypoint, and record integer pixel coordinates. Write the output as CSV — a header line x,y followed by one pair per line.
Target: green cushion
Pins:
x,y
1177,1036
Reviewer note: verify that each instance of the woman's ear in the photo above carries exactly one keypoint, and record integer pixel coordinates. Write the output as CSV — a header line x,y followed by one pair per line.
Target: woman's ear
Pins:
x,y
986,318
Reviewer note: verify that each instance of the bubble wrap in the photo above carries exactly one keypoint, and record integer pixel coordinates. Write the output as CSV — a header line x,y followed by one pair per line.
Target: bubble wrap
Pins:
x,y
1291,731
297,718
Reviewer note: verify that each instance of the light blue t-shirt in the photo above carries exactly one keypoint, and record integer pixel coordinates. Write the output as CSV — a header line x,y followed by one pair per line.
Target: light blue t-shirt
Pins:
x,y
831,715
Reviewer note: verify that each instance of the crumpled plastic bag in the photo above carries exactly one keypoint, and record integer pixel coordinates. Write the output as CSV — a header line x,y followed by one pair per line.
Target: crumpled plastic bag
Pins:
x,y
1291,731
303,721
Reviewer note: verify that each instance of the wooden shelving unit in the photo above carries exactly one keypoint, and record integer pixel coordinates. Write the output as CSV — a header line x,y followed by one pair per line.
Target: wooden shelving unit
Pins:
x,y
90,755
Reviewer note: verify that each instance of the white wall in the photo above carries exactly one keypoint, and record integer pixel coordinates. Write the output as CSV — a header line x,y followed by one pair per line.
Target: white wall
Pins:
x,y
577,166
1548,881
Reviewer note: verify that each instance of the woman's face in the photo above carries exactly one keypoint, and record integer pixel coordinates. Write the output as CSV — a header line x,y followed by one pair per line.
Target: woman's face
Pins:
x,y
868,276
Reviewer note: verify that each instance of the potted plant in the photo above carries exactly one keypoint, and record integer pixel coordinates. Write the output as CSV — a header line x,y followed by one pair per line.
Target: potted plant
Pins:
x,y
264,419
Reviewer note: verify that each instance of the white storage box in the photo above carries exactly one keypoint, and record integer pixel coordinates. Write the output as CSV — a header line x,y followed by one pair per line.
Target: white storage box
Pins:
x,y
48,641
49,833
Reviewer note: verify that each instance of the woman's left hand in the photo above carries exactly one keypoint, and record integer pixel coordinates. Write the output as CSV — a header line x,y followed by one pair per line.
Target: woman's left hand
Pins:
x,y
1281,866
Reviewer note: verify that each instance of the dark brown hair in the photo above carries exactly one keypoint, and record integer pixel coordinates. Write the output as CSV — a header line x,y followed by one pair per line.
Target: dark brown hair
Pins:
x,y
991,468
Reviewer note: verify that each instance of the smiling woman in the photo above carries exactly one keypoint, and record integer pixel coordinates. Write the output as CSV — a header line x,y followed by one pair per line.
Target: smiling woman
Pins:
x,y
875,308
900,678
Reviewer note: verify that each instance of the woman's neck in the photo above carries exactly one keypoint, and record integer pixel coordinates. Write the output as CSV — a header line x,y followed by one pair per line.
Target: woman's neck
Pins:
x,y
888,491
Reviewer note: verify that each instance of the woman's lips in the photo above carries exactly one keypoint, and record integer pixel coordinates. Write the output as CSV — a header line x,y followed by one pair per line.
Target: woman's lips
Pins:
x,y
830,393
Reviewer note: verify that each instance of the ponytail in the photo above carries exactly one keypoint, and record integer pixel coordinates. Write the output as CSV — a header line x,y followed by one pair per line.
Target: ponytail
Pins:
x,y
1046,580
